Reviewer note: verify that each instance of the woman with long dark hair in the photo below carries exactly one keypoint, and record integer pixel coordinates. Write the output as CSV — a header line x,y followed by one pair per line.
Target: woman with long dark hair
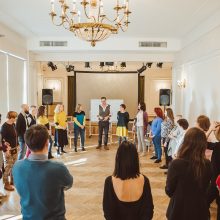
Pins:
x,y
188,179
156,134
43,120
127,193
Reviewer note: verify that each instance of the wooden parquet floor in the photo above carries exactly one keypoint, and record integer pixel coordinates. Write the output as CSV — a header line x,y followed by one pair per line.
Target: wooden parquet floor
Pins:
x,y
90,168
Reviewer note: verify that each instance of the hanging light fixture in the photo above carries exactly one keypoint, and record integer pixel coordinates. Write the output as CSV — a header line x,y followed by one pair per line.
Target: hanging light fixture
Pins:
x,y
91,23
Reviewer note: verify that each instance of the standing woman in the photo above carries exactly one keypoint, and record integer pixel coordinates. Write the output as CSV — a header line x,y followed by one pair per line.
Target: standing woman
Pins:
x,y
122,125
141,122
60,121
79,118
127,193
9,135
56,111
156,134
166,127
43,120
32,117
188,179
32,120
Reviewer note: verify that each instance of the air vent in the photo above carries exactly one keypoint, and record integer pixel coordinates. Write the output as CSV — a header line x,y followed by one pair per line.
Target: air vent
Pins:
x,y
53,43
152,44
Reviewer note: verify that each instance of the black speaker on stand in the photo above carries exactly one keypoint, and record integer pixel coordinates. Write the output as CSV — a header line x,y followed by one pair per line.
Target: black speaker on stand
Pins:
x,y
164,97
47,97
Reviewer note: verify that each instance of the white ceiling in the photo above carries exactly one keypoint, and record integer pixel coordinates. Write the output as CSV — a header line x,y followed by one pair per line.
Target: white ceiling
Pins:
x,y
150,18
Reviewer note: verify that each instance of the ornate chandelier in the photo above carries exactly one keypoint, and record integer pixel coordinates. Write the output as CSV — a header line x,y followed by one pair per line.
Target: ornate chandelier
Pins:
x,y
91,23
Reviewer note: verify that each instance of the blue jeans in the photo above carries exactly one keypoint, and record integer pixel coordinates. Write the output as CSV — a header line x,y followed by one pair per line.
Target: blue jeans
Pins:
x,y
22,150
79,131
157,146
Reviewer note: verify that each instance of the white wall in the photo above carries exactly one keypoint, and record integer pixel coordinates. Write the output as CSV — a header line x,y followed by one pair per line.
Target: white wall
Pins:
x,y
113,86
12,42
199,64
156,79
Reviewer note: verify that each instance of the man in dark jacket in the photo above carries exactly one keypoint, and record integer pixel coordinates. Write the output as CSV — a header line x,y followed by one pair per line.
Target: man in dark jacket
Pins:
x,y
21,126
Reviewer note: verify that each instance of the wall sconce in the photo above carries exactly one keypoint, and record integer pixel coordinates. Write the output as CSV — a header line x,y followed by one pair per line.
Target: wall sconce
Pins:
x,y
181,83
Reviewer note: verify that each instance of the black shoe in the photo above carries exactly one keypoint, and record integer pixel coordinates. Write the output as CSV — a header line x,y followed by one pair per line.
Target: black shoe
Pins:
x,y
63,151
75,149
50,156
83,149
99,147
153,158
157,161
164,167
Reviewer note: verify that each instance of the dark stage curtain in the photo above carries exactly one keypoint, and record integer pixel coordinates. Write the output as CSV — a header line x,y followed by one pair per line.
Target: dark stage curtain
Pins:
x,y
141,85
71,94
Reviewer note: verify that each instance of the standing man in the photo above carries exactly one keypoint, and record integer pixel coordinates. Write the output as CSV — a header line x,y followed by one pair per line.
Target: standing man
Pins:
x,y
40,182
104,117
22,125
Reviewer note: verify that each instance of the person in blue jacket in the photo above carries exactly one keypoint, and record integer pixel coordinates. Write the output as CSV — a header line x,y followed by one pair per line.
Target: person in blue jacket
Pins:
x,y
156,134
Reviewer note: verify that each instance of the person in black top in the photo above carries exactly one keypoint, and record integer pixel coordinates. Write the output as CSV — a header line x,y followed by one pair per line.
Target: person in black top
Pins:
x,y
79,118
188,179
122,125
9,136
127,193
22,125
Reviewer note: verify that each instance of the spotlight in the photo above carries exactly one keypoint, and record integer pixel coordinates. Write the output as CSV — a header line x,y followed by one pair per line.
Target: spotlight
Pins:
x,y
87,65
142,69
123,64
159,65
70,68
102,64
52,66
109,63
149,65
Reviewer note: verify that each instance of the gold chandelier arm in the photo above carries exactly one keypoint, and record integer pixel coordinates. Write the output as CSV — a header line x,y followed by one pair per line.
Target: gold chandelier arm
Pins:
x,y
87,16
124,29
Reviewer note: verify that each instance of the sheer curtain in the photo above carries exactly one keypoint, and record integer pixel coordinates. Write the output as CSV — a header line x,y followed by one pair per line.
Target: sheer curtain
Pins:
x,y
17,83
13,83
3,86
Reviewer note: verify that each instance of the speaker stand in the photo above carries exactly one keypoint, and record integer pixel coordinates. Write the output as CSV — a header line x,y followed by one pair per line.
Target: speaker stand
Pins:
x,y
47,110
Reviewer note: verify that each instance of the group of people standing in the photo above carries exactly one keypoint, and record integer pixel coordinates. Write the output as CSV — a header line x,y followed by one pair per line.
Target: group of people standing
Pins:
x,y
12,142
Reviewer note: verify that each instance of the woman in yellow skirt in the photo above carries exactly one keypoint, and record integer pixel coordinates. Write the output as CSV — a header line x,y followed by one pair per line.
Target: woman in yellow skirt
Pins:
x,y
122,125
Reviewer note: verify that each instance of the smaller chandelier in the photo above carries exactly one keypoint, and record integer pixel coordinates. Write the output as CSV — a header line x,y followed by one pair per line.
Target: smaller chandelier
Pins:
x,y
91,23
